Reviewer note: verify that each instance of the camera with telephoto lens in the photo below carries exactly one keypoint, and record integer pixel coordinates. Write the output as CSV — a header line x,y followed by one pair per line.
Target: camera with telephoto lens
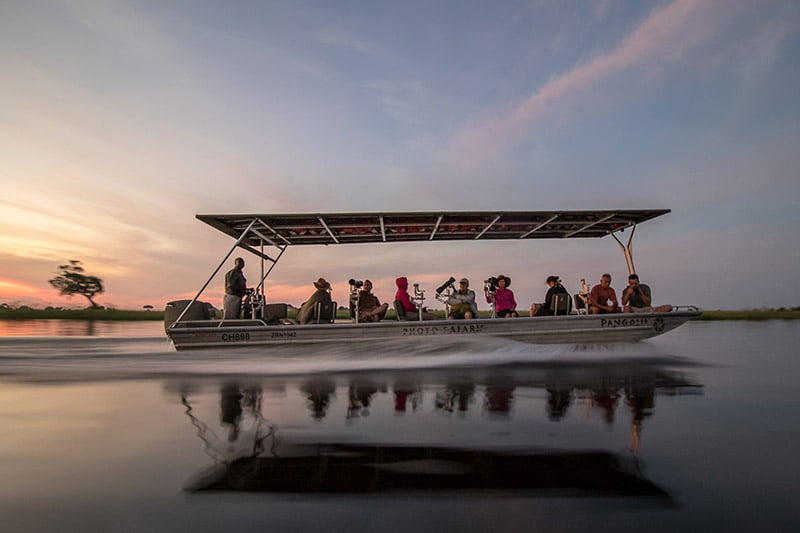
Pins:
x,y
356,283
491,284
445,285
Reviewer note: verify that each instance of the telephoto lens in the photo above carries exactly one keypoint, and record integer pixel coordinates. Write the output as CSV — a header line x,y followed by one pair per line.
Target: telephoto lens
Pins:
x,y
446,284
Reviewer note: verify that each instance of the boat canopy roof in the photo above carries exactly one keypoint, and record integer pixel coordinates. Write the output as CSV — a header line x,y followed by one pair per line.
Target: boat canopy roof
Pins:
x,y
350,228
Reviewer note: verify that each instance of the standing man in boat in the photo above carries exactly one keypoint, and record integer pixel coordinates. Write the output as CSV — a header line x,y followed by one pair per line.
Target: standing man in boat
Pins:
x,y
602,298
235,289
637,298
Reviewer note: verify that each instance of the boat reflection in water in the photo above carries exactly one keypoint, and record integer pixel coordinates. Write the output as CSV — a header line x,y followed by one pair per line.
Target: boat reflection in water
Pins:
x,y
255,454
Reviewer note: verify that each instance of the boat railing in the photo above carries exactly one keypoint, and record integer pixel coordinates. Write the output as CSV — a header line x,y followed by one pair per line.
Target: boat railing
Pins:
x,y
259,323
237,322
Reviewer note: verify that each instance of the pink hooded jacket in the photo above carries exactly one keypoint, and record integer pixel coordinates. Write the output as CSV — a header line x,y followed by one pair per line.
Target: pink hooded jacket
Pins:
x,y
402,294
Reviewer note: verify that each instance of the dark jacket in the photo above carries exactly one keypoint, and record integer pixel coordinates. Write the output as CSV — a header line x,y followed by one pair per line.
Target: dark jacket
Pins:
x,y
546,309
235,283
306,313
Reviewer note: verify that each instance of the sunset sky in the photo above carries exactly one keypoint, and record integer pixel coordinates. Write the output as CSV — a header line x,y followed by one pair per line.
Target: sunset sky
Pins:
x,y
121,120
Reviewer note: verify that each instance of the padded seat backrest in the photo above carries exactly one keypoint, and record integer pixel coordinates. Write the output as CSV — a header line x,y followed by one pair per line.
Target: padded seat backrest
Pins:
x,y
561,303
325,313
399,311
275,311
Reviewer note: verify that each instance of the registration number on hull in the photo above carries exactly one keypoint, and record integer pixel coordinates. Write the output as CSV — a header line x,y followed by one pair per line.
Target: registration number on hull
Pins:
x,y
632,322
238,336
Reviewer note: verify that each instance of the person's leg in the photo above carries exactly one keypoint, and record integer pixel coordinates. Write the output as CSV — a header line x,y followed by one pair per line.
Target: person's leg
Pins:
x,y
232,306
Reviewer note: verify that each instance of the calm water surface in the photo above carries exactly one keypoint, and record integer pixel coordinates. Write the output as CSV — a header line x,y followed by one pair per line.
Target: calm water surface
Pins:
x,y
112,431
78,328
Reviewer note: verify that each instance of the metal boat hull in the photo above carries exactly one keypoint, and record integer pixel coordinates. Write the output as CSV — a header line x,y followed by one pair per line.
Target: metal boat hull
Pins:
x,y
540,330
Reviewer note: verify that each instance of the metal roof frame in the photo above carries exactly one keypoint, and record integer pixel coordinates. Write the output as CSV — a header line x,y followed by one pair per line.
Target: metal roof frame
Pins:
x,y
387,227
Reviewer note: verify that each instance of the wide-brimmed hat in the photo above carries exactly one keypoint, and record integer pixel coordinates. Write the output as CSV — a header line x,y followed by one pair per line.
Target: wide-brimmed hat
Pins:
x,y
508,280
322,285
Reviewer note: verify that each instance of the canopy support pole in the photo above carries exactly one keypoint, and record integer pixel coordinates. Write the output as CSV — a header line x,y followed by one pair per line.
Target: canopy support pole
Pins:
x,y
627,250
219,267
264,276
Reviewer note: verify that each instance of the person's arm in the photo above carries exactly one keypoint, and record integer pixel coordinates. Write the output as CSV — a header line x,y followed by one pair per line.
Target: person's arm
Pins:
x,y
548,298
644,293
241,283
593,298
512,301
304,313
626,294
613,300
373,302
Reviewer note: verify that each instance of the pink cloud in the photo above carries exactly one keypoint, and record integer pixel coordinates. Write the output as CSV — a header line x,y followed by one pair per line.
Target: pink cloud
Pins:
x,y
669,34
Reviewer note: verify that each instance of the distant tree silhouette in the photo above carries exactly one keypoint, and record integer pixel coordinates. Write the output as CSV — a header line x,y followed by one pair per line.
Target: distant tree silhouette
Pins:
x,y
73,281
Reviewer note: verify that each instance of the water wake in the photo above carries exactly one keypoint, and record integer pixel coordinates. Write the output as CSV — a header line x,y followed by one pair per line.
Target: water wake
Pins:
x,y
150,357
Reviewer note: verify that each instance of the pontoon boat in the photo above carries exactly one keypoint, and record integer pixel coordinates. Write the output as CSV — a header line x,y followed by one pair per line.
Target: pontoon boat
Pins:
x,y
190,324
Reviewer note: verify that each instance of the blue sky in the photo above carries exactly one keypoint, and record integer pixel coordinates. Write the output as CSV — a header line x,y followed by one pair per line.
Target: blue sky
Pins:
x,y
123,119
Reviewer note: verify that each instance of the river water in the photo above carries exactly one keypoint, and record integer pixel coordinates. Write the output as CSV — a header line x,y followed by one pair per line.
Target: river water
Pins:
x,y
107,429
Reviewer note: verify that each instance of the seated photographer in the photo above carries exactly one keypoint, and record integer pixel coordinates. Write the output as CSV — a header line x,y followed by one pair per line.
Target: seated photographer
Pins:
x,y
504,303
411,311
462,302
554,287
370,308
321,296
637,298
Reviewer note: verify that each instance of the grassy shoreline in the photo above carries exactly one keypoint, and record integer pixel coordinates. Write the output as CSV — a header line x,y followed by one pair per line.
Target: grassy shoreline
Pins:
x,y
115,314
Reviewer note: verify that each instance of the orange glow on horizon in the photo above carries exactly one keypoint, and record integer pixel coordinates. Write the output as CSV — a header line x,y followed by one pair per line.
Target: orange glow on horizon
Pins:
x,y
10,288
